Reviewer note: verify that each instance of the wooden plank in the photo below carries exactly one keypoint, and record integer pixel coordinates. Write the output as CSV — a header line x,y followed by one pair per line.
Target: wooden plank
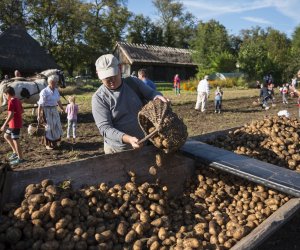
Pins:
x,y
110,169
269,226
282,179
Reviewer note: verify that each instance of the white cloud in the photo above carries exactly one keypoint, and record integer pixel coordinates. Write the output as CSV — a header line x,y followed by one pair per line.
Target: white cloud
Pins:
x,y
257,20
206,9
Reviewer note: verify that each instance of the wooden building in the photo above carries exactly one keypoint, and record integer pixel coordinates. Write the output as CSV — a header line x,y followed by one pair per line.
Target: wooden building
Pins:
x,y
18,50
162,63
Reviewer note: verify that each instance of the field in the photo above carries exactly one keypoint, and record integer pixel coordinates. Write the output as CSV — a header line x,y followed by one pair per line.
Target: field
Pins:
x,y
238,109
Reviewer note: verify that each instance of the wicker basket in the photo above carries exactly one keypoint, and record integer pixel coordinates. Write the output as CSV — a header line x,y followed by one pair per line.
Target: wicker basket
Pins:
x,y
171,131
35,129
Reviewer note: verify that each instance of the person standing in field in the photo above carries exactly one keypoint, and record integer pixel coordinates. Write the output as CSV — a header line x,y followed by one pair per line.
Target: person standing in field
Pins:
x,y
218,100
143,76
284,93
203,93
48,113
72,111
14,122
116,103
177,85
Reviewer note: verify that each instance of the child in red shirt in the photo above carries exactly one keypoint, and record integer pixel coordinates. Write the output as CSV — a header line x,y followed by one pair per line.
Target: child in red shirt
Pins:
x,y
14,122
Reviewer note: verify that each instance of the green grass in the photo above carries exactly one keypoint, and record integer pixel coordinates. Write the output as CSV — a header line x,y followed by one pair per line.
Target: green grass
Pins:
x,y
84,94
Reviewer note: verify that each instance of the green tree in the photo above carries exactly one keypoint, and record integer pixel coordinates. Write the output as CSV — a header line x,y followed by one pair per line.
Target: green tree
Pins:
x,y
264,51
293,64
211,48
142,30
105,26
279,49
58,25
253,55
12,12
178,26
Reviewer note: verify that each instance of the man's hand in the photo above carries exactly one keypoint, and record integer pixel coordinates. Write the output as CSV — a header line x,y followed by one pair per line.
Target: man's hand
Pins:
x,y
133,141
162,98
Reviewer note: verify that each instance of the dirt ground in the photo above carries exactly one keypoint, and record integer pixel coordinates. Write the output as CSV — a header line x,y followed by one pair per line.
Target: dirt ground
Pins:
x,y
89,143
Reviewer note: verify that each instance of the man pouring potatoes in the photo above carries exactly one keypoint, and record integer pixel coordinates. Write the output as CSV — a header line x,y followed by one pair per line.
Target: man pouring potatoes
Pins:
x,y
116,103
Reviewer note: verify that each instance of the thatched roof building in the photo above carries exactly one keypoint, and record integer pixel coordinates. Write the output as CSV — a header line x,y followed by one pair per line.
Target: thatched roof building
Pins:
x,y
18,50
162,63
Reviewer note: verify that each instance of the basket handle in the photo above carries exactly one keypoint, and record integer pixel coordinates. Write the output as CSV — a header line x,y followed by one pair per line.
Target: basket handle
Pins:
x,y
154,132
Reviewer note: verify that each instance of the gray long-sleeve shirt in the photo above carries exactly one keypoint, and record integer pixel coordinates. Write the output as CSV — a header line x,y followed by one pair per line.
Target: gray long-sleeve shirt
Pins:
x,y
115,112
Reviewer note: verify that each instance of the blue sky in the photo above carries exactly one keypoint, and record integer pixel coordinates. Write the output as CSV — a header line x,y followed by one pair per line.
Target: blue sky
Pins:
x,y
235,15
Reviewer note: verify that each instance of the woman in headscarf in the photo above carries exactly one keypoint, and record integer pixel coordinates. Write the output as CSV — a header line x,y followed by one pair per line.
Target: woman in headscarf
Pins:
x,y
48,113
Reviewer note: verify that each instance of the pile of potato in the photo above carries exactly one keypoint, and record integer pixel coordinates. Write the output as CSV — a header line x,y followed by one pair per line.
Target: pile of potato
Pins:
x,y
215,212
274,140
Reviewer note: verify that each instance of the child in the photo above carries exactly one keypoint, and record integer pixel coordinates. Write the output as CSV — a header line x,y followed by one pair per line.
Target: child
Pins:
x,y
72,111
177,84
14,122
218,100
284,94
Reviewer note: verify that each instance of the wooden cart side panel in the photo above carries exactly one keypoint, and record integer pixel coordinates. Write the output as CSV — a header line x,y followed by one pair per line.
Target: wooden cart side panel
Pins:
x,y
110,169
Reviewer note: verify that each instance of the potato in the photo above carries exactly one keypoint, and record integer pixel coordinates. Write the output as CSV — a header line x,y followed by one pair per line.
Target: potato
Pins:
x,y
62,223
61,233
46,182
159,159
37,215
52,190
36,198
66,202
130,236
191,243
162,233
152,170
122,228
155,245
13,235
129,186
55,210
239,233
138,245
140,227
157,222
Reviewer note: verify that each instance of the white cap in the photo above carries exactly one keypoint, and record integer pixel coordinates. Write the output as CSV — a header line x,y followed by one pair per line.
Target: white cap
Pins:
x,y
206,77
107,66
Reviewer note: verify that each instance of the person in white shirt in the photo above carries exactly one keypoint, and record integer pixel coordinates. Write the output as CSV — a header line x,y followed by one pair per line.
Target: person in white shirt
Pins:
x,y
48,113
203,93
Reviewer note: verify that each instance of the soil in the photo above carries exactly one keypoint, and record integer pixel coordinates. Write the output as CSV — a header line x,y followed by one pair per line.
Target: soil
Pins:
x,y
89,143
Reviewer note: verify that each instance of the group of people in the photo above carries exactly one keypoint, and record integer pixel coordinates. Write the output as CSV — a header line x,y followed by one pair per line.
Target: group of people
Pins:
x,y
115,107
267,94
203,94
47,116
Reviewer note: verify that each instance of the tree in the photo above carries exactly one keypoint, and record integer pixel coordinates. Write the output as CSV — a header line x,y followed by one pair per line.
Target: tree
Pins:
x,y
252,58
12,12
211,47
178,27
142,30
293,64
278,47
105,26
263,52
